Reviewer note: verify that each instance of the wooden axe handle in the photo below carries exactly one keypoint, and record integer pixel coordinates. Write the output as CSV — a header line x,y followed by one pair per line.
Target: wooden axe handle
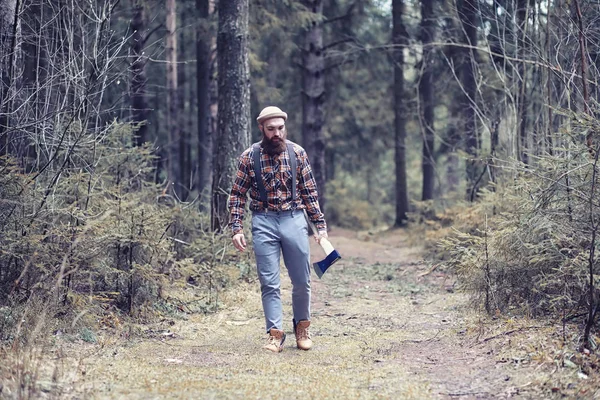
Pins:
x,y
312,230
326,245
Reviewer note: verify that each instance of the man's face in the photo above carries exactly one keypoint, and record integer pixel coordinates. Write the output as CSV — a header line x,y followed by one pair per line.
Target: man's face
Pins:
x,y
274,135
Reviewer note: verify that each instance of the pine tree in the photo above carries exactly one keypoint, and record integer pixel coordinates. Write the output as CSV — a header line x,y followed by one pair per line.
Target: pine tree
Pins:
x,y
399,40
234,103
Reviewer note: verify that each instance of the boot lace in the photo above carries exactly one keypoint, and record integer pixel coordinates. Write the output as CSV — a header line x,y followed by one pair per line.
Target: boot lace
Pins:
x,y
302,333
273,340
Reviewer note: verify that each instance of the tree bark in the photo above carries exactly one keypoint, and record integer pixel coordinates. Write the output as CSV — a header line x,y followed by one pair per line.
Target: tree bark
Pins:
x,y
139,103
185,119
34,73
233,126
399,40
313,97
203,43
522,17
173,166
550,103
427,100
468,16
452,142
584,56
9,27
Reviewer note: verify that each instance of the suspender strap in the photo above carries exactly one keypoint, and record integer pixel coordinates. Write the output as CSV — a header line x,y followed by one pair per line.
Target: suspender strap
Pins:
x,y
262,192
292,157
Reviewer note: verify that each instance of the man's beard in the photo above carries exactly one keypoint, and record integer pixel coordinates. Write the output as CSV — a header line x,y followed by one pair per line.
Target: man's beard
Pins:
x,y
273,146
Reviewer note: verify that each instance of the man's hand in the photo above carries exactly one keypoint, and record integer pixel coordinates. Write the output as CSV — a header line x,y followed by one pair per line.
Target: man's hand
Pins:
x,y
321,234
239,241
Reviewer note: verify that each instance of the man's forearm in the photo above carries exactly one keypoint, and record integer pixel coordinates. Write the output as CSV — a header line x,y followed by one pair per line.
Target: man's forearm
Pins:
x,y
236,213
316,216
236,227
320,223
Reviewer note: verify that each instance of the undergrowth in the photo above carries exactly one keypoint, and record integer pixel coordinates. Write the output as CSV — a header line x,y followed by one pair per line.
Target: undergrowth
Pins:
x,y
529,245
95,237
91,246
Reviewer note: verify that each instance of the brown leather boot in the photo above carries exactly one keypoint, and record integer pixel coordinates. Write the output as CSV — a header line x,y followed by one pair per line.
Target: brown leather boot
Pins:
x,y
275,341
303,340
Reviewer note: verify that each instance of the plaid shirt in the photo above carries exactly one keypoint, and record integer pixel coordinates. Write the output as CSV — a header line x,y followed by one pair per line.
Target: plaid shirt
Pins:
x,y
277,178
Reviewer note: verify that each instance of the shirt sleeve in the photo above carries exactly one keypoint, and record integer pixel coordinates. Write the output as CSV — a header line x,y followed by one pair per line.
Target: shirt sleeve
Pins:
x,y
237,198
307,187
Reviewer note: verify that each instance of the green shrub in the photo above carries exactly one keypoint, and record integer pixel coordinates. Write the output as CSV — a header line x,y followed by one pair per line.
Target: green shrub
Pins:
x,y
96,231
530,246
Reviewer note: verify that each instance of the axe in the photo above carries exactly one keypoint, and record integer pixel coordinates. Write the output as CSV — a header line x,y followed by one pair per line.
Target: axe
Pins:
x,y
331,254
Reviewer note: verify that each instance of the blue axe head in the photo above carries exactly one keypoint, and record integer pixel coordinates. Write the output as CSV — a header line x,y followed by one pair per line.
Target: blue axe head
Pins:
x,y
321,266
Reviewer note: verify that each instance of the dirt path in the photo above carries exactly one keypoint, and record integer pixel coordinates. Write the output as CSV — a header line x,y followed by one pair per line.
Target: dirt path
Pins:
x,y
383,328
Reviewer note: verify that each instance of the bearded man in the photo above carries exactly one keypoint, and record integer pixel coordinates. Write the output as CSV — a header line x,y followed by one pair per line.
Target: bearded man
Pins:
x,y
278,176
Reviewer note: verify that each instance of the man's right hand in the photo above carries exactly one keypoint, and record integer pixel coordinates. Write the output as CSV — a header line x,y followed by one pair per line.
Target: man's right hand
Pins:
x,y
239,241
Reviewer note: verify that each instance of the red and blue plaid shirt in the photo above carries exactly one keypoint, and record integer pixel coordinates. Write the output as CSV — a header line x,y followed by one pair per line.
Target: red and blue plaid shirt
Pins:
x,y
277,178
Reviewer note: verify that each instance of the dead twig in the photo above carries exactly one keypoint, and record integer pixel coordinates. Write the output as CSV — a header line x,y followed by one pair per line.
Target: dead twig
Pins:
x,y
423,340
433,268
459,394
525,328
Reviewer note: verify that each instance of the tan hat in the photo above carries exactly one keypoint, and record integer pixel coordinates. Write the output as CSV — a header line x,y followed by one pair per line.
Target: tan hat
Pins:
x,y
270,112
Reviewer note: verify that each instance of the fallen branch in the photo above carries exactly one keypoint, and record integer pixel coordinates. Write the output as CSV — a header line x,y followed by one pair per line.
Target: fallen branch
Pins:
x,y
508,333
458,394
422,340
433,268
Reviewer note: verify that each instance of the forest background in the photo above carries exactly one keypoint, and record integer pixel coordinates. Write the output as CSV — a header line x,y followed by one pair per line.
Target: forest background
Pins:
x,y
473,122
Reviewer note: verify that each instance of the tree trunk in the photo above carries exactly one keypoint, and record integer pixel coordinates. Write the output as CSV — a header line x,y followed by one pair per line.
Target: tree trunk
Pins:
x,y
313,97
203,42
34,72
139,104
548,82
468,16
233,126
494,139
558,84
399,40
522,17
453,138
427,99
453,173
173,128
184,156
583,65
9,27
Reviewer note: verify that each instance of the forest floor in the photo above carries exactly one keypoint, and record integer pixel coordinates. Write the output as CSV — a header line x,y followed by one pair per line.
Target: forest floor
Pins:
x,y
385,325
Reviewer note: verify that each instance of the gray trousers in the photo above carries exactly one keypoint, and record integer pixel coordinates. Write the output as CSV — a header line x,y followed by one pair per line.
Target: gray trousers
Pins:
x,y
274,233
